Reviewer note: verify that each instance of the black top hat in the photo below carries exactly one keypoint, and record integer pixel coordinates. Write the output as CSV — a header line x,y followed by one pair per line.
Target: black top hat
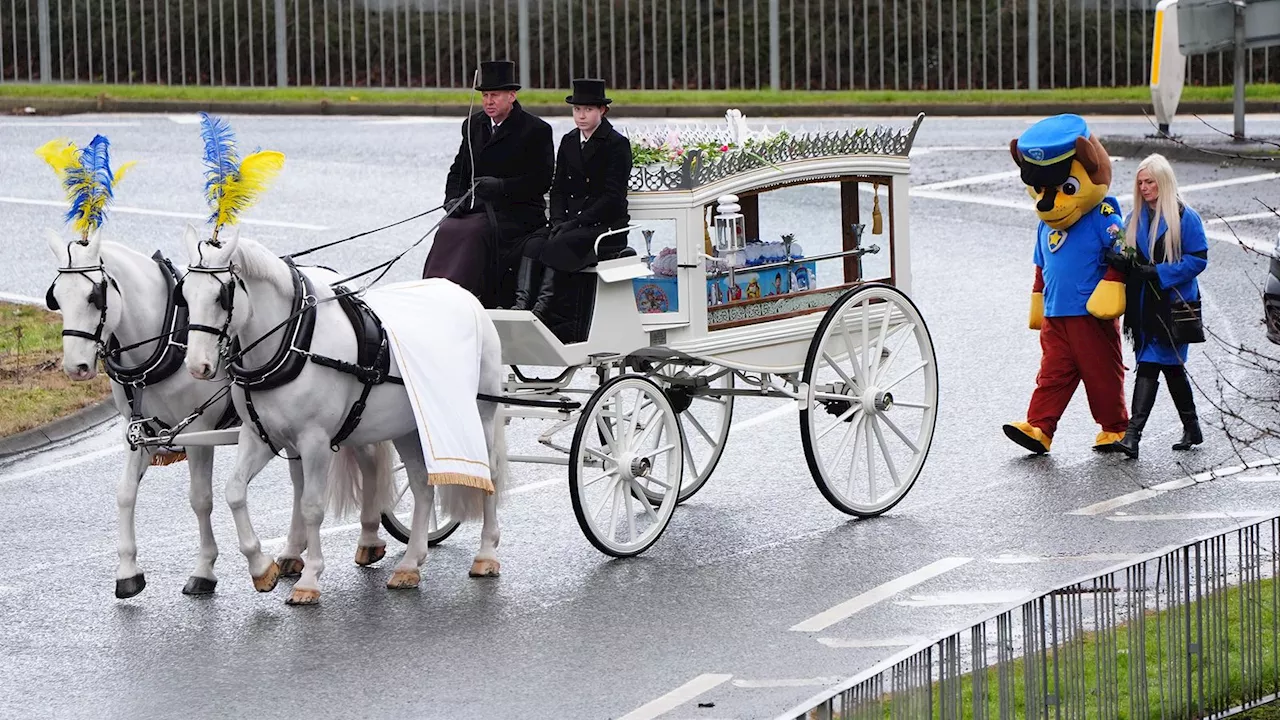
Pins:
x,y
588,92
497,75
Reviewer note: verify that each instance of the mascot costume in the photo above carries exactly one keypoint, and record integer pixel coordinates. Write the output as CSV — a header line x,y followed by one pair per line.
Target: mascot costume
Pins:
x,y
1076,296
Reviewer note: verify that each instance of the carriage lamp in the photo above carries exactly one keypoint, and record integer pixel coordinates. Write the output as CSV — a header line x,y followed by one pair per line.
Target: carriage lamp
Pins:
x,y
730,233
648,248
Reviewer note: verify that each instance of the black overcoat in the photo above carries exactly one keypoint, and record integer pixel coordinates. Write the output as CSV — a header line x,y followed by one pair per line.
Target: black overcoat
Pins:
x,y
590,186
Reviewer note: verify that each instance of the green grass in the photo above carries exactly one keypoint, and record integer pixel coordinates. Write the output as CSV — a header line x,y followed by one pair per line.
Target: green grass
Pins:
x,y
1266,712
726,98
34,390
1124,643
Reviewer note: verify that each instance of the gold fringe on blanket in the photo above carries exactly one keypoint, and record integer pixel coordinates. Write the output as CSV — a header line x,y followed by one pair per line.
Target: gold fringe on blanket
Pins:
x,y
474,481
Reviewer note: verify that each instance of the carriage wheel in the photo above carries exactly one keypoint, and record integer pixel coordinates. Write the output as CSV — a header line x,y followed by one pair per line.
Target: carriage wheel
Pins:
x,y
397,520
872,397
627,439
704,419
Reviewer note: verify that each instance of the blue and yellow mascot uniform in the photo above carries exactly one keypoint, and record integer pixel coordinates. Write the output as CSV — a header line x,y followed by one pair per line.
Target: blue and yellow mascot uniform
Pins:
x,y
1076,297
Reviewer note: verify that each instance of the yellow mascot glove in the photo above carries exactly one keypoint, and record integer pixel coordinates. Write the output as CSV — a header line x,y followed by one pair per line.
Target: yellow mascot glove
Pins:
x,y
1037,311
1107,300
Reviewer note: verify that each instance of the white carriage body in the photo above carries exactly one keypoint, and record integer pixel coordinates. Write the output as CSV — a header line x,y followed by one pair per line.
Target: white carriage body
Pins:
x,y
763,334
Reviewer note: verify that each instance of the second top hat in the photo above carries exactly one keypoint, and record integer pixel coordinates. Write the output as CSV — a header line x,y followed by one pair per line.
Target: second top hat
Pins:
x,y
588,92
497,75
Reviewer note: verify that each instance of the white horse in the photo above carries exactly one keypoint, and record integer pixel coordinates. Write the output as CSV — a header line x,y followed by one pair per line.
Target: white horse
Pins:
x,y
104,291
237,290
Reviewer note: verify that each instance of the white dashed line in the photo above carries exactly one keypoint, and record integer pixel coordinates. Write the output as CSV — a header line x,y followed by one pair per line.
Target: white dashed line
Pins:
x,y
827,618
676,698
163,213
788,682
906,641
965,597
1208,515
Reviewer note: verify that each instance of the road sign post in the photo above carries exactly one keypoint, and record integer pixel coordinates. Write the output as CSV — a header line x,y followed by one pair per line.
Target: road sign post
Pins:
x,y
1168,65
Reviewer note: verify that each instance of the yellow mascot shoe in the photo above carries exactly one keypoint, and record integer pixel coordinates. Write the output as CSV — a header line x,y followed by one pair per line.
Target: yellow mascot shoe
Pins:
x,y
1037,311
1107,300
1028,436
1105,442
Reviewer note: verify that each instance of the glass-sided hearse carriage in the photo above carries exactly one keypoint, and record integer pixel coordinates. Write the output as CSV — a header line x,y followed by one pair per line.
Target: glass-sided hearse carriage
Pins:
x,y
765,265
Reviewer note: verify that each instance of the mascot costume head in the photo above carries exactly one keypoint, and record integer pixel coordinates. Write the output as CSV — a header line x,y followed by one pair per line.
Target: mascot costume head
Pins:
x,y
1076,296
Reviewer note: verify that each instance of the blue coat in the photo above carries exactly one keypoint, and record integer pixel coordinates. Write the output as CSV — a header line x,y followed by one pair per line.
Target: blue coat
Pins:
x,y
1148,305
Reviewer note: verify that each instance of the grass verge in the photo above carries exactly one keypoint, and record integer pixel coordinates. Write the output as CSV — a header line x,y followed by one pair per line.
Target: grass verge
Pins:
x,y
1140,94
34,390
1094,652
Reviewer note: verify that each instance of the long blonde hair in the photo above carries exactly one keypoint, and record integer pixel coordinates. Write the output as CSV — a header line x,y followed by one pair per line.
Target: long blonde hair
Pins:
x,y
1166,208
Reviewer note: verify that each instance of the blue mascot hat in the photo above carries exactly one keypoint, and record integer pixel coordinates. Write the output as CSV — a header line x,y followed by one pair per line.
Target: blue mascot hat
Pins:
x,y
1047,148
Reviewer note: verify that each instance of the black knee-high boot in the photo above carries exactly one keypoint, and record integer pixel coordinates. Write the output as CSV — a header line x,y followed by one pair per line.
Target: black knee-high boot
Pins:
x,y
1184,400
546,293
524,284
1144,398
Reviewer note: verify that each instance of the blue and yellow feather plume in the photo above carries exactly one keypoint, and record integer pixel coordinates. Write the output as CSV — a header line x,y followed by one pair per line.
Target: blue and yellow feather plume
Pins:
x,y
86,177
232,185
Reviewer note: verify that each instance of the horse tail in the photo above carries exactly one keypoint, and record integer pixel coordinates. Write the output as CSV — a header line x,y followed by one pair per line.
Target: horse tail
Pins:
x,y
345,480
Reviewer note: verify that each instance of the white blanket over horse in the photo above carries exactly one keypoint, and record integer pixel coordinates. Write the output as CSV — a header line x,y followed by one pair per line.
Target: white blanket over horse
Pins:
x,y
433,327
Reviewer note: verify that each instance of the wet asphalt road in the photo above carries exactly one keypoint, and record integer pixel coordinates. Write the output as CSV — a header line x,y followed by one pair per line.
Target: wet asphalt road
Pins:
x,y
566,632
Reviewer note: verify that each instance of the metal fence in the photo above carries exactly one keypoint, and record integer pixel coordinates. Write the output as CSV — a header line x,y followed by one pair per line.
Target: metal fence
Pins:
x,y
642,44
1189,632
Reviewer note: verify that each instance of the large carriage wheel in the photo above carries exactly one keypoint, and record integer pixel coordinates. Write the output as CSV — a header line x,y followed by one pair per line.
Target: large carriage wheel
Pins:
x,y
397,519
627,440
705,418
872,384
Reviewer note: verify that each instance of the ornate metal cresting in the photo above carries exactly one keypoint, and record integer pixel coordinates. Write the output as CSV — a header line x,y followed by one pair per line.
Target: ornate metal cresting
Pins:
x,y
1186,632
695,170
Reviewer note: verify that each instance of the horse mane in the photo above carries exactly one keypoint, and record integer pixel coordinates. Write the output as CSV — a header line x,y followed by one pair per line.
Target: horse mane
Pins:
x,y
259,263
114,251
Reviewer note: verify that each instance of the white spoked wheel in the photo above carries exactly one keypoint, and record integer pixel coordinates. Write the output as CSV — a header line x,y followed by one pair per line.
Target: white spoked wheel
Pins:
x,y
704,418
872,384
627,447
397,519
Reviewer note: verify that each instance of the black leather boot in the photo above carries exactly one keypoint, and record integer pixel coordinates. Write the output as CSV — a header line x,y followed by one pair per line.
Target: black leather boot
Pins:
x,y
524,283
546,293
1184,400
1144,398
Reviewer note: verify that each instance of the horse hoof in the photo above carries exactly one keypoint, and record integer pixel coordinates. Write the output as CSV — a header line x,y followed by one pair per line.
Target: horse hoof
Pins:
x,y
303,596
266,582
290,567
404,579
485,568
368,555
129,587
197,585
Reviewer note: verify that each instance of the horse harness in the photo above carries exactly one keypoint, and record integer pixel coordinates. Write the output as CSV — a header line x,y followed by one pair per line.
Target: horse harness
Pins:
x,y
373,357
165,360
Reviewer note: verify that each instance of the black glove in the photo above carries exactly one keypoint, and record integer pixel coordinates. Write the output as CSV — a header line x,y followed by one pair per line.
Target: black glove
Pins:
x,y
488,188
563,227
1118,261
456,212
1143,271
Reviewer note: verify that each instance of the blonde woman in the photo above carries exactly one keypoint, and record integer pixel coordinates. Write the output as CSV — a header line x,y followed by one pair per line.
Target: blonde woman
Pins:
x,y
1165,249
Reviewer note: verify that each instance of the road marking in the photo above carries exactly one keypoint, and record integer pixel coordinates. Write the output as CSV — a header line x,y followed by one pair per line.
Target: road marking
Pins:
x,y
1268,215
1024,205
905,641
788,682
964,597
1107,506
1011,559
1179,484
676,698
164,213
765,417
62,465
827,618
21,299
1261,479
962,182
67,123
1208,515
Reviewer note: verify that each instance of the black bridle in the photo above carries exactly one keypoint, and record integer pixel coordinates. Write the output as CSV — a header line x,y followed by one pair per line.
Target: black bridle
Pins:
x,y
97,298
226,299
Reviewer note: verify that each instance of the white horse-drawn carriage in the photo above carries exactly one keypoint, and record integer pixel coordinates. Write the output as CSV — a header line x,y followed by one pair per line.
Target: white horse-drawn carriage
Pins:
x,y
639,410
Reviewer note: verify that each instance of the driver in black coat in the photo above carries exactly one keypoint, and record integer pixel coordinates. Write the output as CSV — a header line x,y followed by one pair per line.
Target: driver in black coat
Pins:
x,y
588,197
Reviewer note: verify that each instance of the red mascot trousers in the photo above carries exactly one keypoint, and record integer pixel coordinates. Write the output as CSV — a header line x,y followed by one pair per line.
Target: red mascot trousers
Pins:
x,y
1079,348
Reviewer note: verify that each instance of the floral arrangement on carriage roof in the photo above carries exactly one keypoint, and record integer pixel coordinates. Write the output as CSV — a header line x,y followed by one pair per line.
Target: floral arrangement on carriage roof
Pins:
x,y
672,146
87,178
232,184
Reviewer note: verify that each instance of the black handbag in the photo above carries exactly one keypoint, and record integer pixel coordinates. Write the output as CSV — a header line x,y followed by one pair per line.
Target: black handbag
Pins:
x,y
1187,325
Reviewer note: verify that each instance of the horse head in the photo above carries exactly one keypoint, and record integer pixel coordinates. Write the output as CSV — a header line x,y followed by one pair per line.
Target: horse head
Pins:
x,y
209,292
87,297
